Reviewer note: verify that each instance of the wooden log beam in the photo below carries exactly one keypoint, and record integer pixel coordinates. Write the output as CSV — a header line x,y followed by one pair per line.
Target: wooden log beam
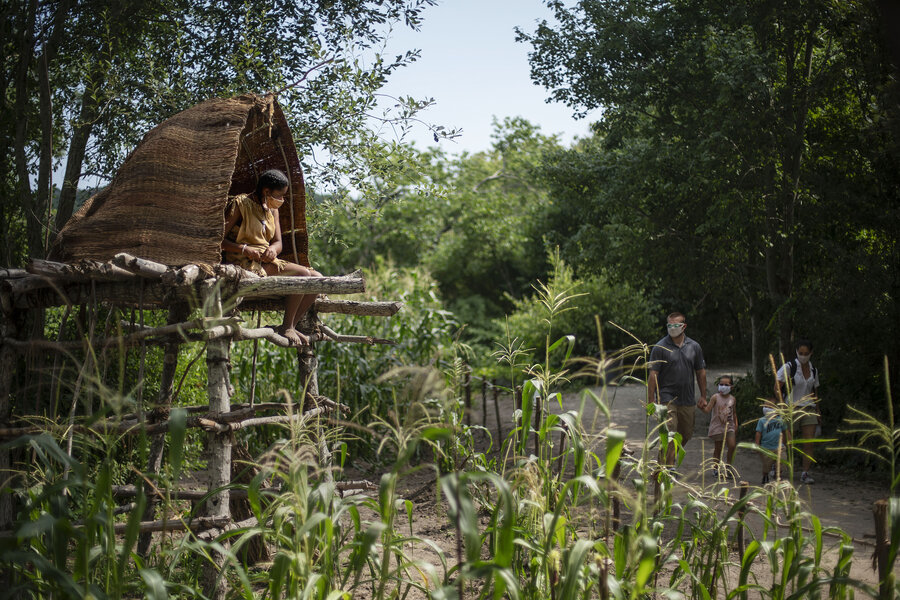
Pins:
x,y
327,305
240,418
190,331
353,307
6,273
284,286
186,275
357,339
194,524
85,270
131,491
139,266
235,273
117,286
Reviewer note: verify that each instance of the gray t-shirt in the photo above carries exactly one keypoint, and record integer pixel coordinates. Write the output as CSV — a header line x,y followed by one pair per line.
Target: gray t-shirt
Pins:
x,y
676,369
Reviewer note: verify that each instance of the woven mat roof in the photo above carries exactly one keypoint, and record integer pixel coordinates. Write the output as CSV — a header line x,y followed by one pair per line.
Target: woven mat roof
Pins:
x,y
167,201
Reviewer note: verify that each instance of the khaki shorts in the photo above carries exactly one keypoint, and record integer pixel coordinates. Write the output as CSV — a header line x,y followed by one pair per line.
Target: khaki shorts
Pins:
x,y
807,420
806,414
681,419
718,437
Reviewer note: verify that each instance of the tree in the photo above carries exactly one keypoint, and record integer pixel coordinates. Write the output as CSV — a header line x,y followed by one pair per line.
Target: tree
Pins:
x,y
717,120
100,74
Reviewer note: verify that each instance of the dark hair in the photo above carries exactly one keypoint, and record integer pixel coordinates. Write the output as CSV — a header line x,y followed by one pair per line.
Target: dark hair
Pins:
x,y
803,342
729,377
273,179
675,315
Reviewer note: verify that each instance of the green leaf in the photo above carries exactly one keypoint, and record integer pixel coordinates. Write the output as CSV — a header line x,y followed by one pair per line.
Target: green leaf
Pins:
x,y
615,443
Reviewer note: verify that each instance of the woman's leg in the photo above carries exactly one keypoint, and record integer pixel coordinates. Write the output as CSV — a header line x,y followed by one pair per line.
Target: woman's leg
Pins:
x,y
807,432
295,306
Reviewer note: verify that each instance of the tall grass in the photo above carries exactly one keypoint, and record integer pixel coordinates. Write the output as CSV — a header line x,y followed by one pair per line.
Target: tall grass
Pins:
x,y
560,509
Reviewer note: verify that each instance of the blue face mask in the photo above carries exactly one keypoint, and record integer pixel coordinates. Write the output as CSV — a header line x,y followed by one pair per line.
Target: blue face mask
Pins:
x,y
724,389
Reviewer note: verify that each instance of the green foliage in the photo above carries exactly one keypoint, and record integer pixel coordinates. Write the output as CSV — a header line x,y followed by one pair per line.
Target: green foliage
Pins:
x,y
87,80
537,525
423,331
472,221
732,140
593,295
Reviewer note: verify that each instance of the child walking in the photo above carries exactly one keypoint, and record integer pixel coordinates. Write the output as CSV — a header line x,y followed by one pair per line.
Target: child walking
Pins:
x,y
723,422
769,432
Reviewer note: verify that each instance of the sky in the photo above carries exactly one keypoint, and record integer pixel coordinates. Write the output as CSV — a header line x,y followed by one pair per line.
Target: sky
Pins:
x,y
475,70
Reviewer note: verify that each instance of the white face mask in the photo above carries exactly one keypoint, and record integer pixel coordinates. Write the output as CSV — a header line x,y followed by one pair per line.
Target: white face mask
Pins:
x,y
724,389
274,203
675,331
803,359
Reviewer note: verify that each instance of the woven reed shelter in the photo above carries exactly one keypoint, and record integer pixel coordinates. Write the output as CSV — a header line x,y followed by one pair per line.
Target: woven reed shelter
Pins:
x,y
167,201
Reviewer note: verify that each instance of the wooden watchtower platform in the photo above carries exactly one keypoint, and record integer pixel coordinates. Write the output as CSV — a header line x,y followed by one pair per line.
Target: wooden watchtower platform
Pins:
x,y
151,241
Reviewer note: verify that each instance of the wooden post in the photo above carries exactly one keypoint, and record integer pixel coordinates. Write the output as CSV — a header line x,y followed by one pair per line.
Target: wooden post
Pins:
x,y
517,402
538,415
218,445
496,391
467,393
484,403
177,314
615,497
7,374
882,546
745,487
308,367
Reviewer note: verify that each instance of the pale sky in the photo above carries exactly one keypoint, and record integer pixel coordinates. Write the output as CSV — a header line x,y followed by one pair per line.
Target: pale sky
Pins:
x,y
475,70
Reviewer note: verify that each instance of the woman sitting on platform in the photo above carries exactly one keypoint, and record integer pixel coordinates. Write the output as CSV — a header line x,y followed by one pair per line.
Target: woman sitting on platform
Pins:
x,y
258,243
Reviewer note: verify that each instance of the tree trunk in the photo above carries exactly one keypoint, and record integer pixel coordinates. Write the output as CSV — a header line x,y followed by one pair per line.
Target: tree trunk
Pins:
x,y
43,199
26,52
81,133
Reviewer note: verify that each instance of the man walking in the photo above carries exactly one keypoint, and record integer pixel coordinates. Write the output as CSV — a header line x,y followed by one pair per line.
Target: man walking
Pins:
x,y
675,362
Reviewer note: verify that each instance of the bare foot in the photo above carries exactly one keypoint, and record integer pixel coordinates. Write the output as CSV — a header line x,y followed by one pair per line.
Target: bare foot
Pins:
x,y
294,337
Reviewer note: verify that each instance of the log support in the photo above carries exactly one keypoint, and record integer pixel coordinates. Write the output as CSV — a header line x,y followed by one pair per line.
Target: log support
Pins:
x,y
218,445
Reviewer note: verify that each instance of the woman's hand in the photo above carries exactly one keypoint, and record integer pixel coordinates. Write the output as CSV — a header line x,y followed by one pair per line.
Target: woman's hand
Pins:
x,y
253,254
269,255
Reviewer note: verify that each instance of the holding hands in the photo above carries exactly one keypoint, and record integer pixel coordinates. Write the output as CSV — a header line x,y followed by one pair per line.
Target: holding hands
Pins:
x,y
265,256
269,255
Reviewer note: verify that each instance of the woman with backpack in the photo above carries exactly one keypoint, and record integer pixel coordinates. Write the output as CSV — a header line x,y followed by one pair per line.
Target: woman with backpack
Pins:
x,y
797,382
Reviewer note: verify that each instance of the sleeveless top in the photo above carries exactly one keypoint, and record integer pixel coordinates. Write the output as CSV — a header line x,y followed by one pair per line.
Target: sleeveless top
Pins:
x,y
256,229
722,419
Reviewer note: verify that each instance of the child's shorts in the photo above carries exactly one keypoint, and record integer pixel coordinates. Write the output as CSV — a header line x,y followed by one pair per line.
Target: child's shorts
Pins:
x,y
718,437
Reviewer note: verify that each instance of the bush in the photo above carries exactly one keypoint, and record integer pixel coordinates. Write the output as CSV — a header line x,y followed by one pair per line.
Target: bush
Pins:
x,y
594,296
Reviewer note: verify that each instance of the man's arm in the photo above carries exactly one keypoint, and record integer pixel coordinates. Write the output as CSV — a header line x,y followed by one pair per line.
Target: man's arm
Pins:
x,y
701,381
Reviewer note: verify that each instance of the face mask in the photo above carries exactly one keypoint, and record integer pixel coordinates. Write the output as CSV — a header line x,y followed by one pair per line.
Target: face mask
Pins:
x,y
675,329
274,203
803,359
724,389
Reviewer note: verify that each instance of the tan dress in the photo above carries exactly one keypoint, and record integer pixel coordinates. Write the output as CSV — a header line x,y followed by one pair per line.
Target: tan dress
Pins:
x,y
256,229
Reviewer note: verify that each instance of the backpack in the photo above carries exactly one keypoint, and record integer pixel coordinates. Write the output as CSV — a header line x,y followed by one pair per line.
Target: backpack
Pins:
x,y
794,365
